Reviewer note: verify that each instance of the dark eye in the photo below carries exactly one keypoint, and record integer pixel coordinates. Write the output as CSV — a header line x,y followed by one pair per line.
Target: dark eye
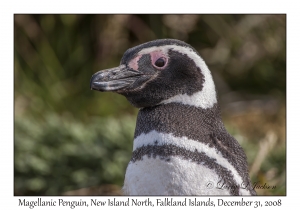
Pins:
x,y
160,62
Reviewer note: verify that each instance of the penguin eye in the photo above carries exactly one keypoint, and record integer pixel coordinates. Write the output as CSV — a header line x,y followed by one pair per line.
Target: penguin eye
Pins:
x,y
160,62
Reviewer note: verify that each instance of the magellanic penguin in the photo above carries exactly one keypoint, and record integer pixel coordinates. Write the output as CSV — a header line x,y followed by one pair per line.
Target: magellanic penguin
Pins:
x,y
181,146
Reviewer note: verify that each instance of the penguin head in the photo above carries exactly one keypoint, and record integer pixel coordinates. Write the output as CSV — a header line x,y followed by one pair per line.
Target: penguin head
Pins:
x,y
158,72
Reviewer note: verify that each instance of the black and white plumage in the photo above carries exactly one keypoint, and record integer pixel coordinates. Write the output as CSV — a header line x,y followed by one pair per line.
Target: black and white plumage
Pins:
x,y
181,146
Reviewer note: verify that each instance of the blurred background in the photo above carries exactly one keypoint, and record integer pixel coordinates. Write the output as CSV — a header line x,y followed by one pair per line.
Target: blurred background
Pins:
x,y
69,140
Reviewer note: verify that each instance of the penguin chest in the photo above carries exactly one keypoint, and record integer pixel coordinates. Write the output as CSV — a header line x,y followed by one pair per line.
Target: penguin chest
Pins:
x,y
154,176
165,165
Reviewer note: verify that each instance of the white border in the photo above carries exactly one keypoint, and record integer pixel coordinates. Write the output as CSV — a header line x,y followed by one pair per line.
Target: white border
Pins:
x,y
8,8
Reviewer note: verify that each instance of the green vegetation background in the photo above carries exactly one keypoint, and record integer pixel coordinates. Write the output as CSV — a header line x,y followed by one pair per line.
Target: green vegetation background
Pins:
x,y
71,140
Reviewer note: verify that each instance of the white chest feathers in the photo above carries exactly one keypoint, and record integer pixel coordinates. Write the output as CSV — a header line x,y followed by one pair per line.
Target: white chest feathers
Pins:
x,y
181,173
153,176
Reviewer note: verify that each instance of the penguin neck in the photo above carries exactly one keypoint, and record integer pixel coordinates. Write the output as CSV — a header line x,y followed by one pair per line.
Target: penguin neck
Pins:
x,y
180,120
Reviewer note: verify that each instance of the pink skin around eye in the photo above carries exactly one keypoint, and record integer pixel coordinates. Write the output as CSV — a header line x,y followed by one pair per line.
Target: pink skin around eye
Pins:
x,y
155,55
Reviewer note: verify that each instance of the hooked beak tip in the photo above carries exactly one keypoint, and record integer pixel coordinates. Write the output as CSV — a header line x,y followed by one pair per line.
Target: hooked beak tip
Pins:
x,y
113,79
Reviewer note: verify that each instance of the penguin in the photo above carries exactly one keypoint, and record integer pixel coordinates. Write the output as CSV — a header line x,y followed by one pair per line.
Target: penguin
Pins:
x,y
180,146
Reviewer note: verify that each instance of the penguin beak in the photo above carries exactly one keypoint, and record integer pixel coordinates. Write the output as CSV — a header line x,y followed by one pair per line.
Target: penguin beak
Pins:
x,y
114,79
